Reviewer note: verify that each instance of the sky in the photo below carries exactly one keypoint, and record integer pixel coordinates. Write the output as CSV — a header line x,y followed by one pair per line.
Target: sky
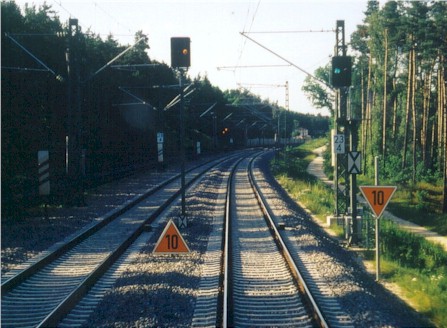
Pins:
x,y
218,49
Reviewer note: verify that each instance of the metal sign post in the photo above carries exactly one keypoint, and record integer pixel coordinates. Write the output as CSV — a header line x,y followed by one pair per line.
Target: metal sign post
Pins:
x,y
181,59
182,142
378,198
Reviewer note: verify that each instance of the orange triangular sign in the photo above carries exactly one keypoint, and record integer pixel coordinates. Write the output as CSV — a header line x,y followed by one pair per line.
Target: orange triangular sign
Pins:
x,y
171,241
378,197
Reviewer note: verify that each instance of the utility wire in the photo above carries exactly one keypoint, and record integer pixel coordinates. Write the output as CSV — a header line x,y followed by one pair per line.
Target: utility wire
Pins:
x,y
290,32
114,59
288,61
24,69
29,53
249,29
112,17
59,3
248,66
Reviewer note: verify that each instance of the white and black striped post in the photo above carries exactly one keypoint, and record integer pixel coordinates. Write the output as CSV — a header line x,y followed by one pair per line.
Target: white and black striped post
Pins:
x,y
43,163
43,159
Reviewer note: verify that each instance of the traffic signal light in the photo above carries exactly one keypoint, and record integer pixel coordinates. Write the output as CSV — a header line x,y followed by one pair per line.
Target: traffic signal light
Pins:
x,y
224,131
180,52
341,71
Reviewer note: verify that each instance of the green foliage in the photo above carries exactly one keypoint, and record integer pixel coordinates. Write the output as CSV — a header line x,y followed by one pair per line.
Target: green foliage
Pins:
x,y
412,251
426,292
419,267
400,45
317,93
290,171
119,124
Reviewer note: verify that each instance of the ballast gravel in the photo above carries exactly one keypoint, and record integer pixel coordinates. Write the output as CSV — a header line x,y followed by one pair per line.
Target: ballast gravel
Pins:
x,y
161,290
367,303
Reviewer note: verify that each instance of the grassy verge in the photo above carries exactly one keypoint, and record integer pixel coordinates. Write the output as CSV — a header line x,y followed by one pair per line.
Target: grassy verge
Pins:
x,y
419,203
417,267
290,171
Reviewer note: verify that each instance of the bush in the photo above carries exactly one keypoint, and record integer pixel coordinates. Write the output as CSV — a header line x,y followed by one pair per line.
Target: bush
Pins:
x,y
410,250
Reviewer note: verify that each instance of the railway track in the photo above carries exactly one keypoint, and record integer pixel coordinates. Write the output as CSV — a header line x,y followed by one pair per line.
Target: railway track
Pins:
x,y
263,284
42,294
312,281
262,290
259,285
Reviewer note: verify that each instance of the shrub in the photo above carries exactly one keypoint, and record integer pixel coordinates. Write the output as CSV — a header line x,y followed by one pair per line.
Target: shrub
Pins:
x,y
410,250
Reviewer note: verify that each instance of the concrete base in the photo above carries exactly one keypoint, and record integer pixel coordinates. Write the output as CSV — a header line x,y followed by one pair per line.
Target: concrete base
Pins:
x,y
338,220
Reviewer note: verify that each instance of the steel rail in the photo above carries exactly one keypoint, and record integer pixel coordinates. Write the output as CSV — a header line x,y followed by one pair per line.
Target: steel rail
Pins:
x,y
223,297
15,280
227,287
318,315
69,301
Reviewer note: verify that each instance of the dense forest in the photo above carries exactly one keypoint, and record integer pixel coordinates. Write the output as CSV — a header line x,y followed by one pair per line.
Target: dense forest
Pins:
x,y
399,90
123,97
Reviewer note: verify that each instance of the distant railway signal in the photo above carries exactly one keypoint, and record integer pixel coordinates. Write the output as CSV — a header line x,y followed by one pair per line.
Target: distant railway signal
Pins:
x,y
341,71
180,52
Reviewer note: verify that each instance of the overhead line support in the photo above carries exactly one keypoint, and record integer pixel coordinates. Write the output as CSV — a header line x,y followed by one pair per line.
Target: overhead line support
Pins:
x,y
288,61
289,32
30,54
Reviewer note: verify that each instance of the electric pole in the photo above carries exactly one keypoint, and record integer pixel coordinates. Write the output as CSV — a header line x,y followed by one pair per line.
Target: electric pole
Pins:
x,y
74,121
347,158
181,59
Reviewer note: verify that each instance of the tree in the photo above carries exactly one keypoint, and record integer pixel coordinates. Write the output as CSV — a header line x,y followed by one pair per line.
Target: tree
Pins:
x,y
320,96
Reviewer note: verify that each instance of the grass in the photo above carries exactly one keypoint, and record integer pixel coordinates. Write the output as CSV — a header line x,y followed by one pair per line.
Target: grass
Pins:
x,y
291,173
313,195
416,266
419,206
419,203
427,293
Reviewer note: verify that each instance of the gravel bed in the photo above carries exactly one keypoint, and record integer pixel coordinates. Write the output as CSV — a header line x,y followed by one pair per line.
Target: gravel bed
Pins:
x,y
24,238
367,302
161,290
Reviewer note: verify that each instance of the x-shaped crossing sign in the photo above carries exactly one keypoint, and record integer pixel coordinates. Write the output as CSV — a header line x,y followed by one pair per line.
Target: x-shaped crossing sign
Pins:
x,y
354,162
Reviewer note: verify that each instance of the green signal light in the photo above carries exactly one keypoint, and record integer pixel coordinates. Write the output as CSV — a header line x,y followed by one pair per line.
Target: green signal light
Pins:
x,y
341,71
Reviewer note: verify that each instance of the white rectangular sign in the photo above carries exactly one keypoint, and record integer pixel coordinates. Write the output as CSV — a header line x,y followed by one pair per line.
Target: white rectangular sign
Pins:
x,y
339,143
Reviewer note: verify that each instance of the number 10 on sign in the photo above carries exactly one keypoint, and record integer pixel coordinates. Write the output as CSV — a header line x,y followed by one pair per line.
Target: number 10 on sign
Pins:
x,y
378,197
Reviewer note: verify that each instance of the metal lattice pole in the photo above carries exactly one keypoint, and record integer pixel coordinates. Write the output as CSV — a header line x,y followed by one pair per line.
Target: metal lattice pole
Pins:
x,y
340,125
